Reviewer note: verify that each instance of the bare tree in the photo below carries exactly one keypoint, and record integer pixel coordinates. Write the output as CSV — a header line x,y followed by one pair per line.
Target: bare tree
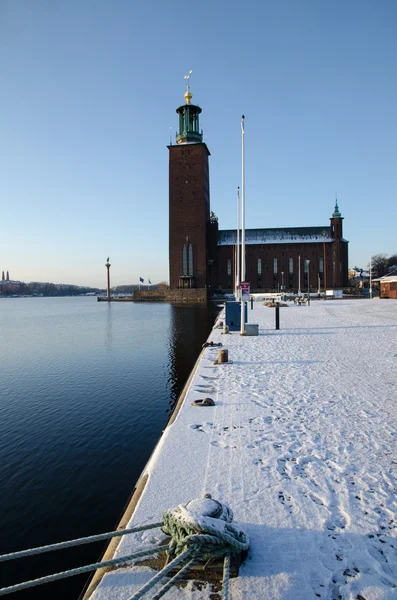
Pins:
x,y
392,261
380,264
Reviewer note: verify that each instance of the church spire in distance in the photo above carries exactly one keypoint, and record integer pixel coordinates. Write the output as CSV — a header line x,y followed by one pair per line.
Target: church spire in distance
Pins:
x,y
189,129
336,212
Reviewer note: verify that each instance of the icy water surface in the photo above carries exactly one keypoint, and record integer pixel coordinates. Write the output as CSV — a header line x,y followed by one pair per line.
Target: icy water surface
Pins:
x,y
85,391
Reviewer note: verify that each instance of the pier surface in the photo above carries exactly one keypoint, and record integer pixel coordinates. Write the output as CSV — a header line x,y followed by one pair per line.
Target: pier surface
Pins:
x,y
301,443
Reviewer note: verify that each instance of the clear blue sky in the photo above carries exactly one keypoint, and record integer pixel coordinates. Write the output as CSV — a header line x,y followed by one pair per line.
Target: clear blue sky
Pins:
x,y
88,95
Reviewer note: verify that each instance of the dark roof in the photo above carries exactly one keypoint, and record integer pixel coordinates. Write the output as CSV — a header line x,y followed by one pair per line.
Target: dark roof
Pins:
x,y
282,235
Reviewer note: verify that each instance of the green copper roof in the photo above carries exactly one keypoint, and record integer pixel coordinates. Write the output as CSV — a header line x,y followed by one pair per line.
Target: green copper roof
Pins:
x,y
336,212
189,130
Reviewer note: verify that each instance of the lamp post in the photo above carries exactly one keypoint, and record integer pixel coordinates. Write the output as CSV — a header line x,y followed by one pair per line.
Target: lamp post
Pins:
x,y
308,281
325,266
282,281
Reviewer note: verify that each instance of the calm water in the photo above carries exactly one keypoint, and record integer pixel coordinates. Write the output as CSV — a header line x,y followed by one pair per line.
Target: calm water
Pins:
x,y
85,391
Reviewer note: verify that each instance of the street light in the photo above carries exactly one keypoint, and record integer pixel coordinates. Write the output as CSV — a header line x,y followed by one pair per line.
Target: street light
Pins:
x,y
308,281
324,233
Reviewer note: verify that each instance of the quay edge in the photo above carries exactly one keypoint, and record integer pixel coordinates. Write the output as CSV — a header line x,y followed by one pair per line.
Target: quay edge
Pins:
x,y
138,490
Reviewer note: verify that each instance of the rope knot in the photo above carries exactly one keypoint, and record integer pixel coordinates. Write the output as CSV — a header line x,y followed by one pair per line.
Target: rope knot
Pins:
x,y
206,525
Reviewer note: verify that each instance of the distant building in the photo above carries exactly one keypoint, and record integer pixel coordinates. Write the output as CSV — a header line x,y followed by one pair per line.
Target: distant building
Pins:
x,y
202,256
388,284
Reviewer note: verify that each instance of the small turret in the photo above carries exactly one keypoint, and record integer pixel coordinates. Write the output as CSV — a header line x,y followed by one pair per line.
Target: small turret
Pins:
x,y
336,222
189,128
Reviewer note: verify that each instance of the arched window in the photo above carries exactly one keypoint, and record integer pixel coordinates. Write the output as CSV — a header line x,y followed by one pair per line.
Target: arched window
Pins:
x,y
187,260
275,266
190,256
184,260
306,265
291,266
321,265
259,267
229,267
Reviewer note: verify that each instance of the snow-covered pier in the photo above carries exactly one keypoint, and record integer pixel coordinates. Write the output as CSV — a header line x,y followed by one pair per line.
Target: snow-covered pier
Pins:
x,y
301,443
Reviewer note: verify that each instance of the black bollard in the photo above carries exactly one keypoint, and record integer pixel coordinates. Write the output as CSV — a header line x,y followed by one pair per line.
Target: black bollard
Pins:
x,y
252,302
277,316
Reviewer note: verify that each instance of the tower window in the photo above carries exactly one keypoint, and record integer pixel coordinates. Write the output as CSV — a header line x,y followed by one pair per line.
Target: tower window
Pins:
x,y
259,266
291,266
275,268
190,257
321,264
187,260
229,267
184,260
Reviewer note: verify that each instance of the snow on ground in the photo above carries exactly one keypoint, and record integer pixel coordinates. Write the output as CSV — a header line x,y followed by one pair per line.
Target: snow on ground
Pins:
x,y
302,444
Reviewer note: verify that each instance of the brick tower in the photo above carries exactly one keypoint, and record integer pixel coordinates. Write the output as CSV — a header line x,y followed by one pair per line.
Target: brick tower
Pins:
x,y
190,223
339,267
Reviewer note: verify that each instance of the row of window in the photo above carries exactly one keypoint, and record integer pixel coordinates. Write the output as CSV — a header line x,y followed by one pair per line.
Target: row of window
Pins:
x,y
276,266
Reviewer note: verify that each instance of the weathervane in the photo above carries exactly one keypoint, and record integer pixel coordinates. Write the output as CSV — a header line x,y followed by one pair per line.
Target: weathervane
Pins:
x,y
188,78
188,94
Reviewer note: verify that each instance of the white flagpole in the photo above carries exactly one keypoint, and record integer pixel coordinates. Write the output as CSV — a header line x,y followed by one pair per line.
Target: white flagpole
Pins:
x,y
370,277
238,245
242,315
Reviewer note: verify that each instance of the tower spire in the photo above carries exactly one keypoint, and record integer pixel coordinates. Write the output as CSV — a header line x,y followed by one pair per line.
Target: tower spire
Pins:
x,y
336,212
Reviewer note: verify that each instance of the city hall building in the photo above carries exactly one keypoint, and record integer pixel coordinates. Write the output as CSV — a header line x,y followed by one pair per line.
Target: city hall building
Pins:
x,y
202,256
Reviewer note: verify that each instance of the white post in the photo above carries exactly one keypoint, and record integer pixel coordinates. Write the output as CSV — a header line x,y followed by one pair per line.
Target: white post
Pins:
x,y
370,277
299,275
308,282
238,245
242,315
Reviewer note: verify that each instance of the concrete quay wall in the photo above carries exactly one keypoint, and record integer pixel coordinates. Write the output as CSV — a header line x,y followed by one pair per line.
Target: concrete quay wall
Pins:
x,y
177,296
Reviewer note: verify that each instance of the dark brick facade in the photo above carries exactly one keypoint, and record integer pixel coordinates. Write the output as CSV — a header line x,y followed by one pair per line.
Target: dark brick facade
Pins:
x,y
189,213
336,253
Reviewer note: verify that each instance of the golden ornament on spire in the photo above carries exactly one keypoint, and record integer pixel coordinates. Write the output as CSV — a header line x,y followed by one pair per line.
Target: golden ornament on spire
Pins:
x,y
188,95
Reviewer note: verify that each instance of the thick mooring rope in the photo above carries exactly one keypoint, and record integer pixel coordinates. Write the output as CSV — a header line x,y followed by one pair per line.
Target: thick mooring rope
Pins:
x,y
199,530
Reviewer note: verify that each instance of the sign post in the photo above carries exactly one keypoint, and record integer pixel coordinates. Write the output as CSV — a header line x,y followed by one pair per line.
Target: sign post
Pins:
x,y
245,290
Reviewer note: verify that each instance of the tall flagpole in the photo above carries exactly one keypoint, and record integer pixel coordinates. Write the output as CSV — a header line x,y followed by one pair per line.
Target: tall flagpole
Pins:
x,y
370,277
242,314
238,245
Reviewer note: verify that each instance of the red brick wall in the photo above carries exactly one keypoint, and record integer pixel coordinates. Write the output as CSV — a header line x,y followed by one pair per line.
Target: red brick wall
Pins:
x,y
267,252
189,209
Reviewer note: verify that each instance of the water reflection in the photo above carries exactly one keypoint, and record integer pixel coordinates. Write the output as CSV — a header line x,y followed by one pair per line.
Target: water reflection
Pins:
x,y
189,327
86,390
108,327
